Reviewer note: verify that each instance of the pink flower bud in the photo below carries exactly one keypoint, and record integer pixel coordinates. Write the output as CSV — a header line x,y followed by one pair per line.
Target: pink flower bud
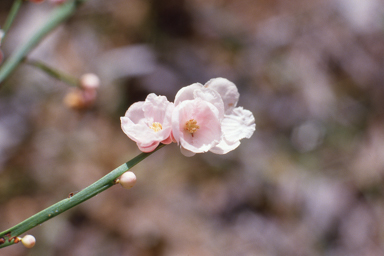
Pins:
x,y
127,180
89,81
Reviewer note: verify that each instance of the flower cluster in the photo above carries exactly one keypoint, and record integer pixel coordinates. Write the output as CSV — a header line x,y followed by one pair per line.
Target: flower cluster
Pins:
x,y
202,118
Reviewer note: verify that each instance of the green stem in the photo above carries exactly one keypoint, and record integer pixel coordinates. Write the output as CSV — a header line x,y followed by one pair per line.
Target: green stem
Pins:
x,y
54,72
102,184
11,17
60,14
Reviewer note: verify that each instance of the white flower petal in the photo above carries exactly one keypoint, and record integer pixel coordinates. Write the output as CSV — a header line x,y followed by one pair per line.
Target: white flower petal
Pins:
x,y
187,93
156,108
135,112
227,90
213,97
224,147
238,125
140,132
197,90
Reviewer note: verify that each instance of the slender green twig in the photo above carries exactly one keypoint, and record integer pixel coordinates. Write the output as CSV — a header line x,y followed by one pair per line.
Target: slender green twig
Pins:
x,y
11,17
7,237
60,14
54,72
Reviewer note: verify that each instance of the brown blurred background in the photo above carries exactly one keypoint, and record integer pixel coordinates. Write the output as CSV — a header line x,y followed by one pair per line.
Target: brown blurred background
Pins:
x,y
309,181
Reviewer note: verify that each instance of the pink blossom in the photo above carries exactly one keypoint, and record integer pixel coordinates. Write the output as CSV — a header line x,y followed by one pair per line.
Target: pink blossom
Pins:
x,y
148,122
206,118
196,126
196,120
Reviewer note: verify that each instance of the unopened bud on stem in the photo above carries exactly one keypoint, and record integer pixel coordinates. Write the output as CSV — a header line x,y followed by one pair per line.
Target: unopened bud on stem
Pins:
x,y
28,241
127,180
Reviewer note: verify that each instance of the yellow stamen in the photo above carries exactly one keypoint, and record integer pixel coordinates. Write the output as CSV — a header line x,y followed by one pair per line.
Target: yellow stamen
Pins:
x,y
156,126
191,126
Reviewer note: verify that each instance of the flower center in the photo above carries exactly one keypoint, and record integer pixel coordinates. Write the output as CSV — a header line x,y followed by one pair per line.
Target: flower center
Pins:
x,y
191,126
156,126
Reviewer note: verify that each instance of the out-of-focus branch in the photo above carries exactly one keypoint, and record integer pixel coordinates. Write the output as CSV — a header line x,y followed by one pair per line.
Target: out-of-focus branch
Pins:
x,y
54,72
59,15
11,17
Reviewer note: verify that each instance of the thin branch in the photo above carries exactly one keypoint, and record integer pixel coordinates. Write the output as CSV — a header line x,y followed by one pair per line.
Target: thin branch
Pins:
x,y
7,237
54,72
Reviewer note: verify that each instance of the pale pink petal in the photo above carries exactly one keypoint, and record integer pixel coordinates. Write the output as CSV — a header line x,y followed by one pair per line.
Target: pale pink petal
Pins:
x,y
148,148
207,117
156,108
135,112
187,93
167,141
227,90
139,132
173,137
213,97
197,90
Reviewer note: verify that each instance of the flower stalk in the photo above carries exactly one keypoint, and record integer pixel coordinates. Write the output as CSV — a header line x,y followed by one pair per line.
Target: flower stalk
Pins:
x,y
8,237
54,72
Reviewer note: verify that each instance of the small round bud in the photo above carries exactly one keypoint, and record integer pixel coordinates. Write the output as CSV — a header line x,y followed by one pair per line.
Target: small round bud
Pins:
x,y
89,81
28,241
127,180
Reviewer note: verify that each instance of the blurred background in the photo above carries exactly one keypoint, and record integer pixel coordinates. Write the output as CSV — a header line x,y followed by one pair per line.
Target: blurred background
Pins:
x,y
308,182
